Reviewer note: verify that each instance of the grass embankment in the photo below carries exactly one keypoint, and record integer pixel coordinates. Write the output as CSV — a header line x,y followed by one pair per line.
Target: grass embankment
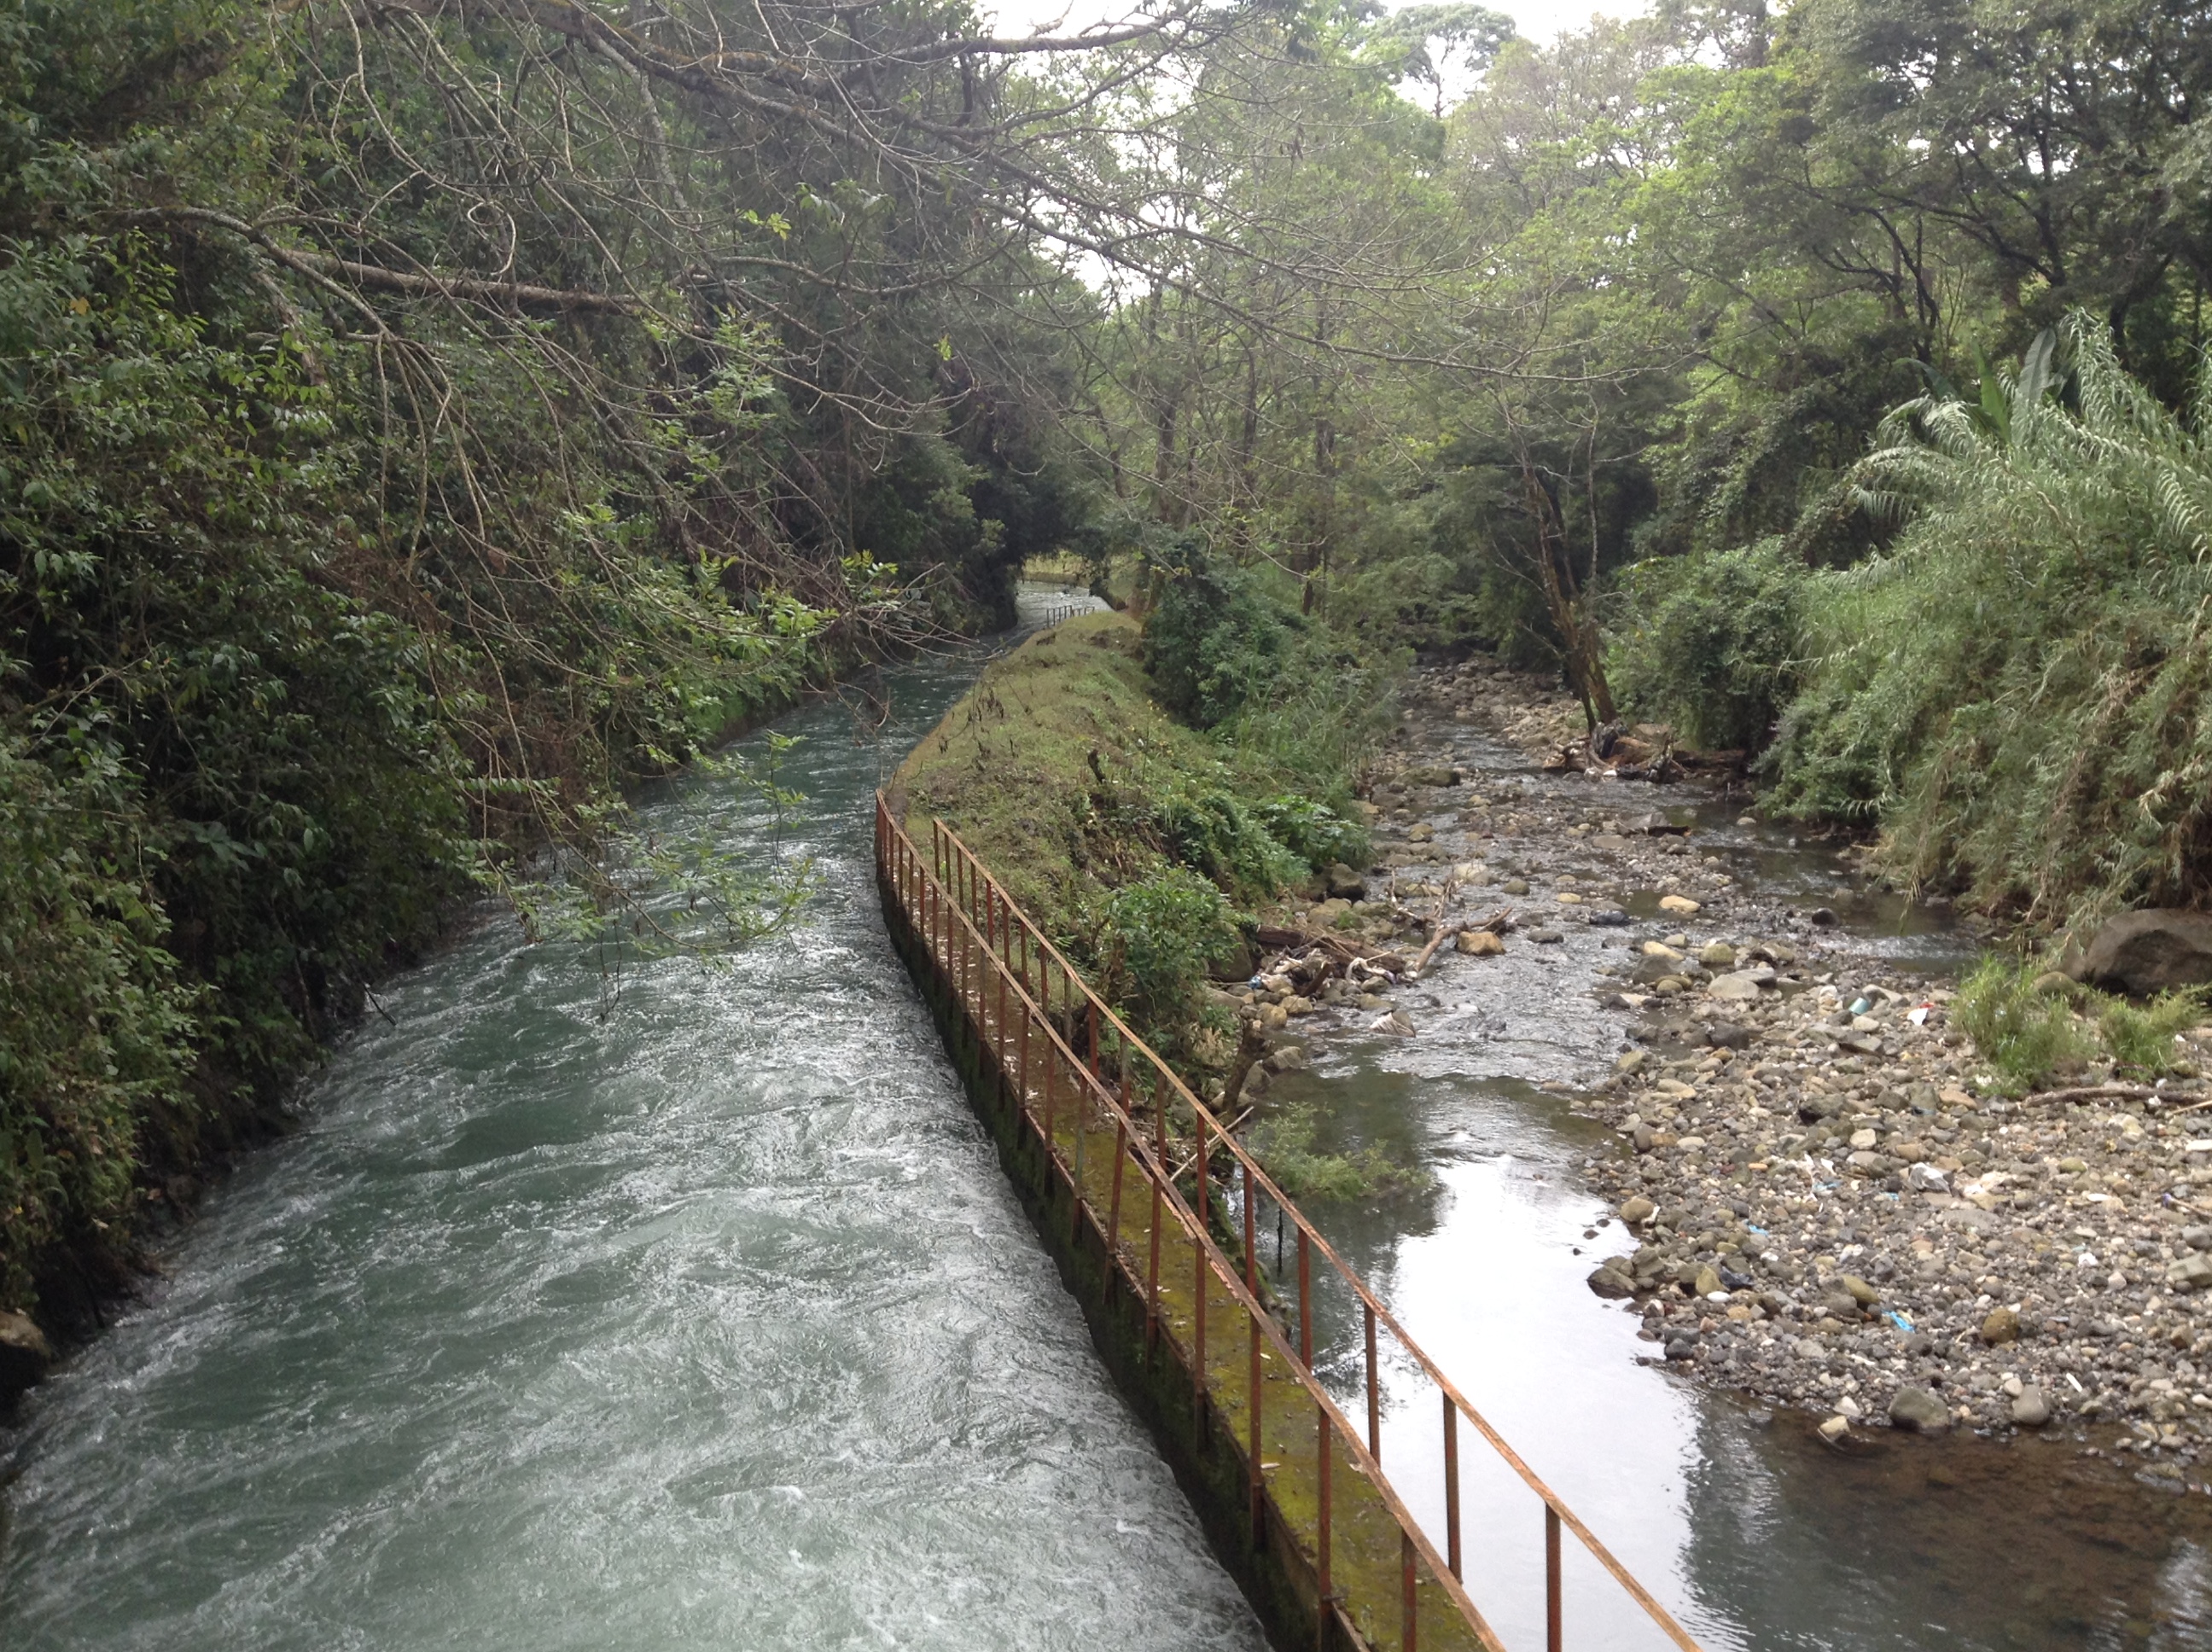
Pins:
x,y
1130,837
1143,845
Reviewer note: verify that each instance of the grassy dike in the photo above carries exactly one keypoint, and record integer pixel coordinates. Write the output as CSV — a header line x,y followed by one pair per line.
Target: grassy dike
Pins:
x,y
1048,767
1068,778
1112,823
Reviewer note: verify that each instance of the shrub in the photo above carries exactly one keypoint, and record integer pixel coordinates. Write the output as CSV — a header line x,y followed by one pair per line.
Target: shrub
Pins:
x,y
1710,641
2021,688
1286,1142
2026,1037
2140,1038
1214,644
1155,939
92,1021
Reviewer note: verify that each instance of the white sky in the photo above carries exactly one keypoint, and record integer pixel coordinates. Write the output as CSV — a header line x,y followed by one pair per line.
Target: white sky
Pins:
x,y
1541,21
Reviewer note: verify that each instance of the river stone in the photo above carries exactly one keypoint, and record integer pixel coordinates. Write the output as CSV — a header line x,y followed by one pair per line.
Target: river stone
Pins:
x,y
1917,1409
1515,886
1835,1428
2003,1325
1607,1280
2029,1409
1718,956
1739,987
1638,1211
1344,883
2192,1272
25,1353
1430,774
1727,1035
1681,905
2151,951
1478,944
1706,1283
1861,1293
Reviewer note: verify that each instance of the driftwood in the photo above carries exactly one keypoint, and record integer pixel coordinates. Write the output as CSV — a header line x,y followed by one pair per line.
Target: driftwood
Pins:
x,y
2108,1093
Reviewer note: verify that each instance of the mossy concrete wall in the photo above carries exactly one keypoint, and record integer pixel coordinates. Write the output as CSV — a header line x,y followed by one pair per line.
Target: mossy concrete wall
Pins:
x,y
1210,1464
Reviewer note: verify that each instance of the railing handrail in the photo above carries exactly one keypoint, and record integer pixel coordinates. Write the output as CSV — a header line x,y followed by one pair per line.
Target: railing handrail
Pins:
x,y
1204,1116
1226,1271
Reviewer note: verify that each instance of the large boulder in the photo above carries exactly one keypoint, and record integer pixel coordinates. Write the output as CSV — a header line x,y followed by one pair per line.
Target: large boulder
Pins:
x,y
2148,952
25,1354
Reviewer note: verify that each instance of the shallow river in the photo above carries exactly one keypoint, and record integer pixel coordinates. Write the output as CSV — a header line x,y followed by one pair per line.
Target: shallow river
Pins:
x,y
700,1316
1749,1528
692,1311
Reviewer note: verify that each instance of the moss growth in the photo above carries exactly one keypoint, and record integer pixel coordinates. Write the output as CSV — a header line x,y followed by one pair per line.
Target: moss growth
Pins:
x,y
1094,808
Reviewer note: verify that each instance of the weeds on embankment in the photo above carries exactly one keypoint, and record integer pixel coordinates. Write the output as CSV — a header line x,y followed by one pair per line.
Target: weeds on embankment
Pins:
x,y
2032,1026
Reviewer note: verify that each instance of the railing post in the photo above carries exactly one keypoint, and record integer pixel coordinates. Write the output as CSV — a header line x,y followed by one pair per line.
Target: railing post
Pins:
x,y
1410,1638
1374,1394
1305,1298
1554,1632
1114,1206
1198,1249
1075,1180
1451,1487
1000,1033
1252,1323
1159,1173
1051,1094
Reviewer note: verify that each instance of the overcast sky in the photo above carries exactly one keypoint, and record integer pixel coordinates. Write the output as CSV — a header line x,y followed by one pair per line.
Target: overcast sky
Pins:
x,y
1538,19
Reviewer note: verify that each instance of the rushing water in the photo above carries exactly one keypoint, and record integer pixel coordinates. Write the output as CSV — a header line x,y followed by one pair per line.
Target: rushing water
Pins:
x,y
692,1314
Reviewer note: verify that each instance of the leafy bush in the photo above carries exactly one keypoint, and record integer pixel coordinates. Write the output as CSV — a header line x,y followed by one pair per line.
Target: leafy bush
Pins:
x,y
1287,1142
94,1024
2021,688
2140,1036
1214,643
2028,1037
1156,936
1312,831
1213,831
1710,641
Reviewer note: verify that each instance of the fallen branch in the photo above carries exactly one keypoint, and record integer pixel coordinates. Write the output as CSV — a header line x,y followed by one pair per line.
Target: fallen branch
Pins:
x,y
1436,940
2109,1093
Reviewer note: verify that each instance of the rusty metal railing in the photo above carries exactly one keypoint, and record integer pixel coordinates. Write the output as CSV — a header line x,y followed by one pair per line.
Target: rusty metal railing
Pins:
x,y
1050,1037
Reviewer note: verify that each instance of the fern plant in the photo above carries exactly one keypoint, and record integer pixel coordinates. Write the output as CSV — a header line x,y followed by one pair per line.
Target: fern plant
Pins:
x,y
2017,688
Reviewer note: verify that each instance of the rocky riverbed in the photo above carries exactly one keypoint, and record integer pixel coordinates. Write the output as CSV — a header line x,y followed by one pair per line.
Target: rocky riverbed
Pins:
x,y
1819,1197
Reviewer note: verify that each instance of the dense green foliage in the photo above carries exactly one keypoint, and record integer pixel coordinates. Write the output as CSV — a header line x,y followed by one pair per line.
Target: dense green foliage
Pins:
x,y
419,424
93,1020
2016,686
1712,640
